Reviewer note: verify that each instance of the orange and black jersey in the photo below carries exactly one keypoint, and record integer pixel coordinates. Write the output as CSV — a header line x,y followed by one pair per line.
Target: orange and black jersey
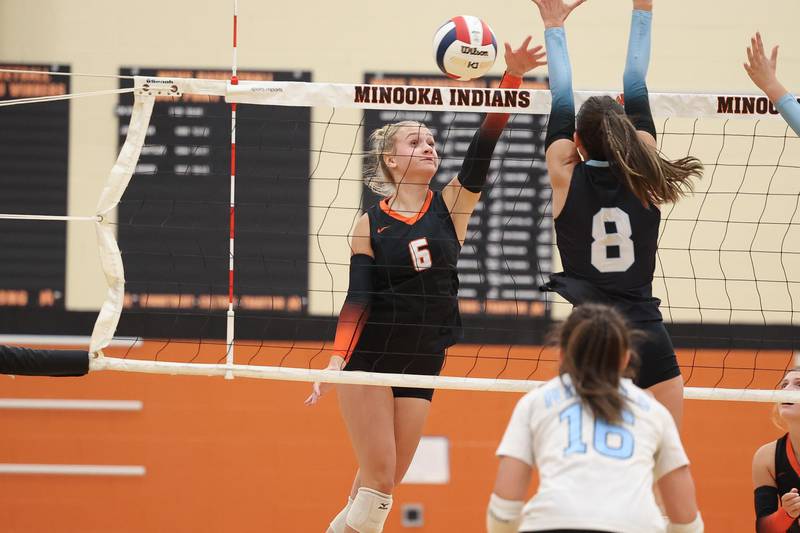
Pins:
x,y
414,300
787,472
770,518
787,469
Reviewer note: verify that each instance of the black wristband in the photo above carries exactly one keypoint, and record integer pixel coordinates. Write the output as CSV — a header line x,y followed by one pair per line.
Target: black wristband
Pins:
x,y
766,500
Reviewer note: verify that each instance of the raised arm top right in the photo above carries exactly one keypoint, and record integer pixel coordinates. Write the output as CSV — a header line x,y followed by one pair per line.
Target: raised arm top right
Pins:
x,y
762,70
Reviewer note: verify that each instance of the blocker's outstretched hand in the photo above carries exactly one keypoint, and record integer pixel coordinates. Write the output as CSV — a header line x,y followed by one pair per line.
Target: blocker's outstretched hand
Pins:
x,y
762,69
555,12
523,60
318,389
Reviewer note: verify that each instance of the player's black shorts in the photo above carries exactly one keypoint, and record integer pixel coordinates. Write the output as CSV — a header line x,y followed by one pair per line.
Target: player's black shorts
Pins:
x,y
426,364
657,360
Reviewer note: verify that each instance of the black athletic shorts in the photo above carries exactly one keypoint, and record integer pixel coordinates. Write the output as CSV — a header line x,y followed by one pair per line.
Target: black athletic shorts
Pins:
x,y
657,360
426,364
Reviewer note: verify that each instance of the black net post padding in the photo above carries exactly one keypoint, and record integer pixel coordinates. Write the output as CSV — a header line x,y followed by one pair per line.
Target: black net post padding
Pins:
x,y
31,362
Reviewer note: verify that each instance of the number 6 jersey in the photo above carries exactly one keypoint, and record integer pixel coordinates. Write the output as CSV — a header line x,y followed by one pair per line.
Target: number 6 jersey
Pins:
x,y
414,306
607,241
592,475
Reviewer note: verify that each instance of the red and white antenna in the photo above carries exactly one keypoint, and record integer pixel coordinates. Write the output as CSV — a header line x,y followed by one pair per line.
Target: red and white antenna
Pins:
x,y
229,330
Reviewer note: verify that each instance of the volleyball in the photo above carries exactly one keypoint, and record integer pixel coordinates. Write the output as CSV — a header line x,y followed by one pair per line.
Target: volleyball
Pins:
x,y
465,48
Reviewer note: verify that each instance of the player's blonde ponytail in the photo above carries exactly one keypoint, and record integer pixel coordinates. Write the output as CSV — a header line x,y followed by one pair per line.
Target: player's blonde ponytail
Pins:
x,y
381,143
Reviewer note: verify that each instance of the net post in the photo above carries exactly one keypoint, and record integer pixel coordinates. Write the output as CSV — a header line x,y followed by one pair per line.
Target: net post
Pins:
x,y
231,315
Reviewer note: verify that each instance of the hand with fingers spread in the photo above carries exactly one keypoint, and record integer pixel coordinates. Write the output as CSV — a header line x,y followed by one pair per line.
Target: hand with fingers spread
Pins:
x,y
555,12
318,389
523,60
762,69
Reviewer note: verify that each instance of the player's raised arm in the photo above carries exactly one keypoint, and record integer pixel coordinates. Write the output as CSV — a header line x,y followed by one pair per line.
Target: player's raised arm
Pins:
x,y
637,102
762,70
463,192
560,150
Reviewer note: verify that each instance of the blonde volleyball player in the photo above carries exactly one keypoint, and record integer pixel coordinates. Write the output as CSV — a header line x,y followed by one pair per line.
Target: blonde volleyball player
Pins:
x,y
762,70
608,180
401,309
776,470
598,441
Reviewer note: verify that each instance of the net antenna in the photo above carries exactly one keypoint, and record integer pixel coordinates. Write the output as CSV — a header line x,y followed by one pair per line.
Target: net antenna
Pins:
x,y
229,327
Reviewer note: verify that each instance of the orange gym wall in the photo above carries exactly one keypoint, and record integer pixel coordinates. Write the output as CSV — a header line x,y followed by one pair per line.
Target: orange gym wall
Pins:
x,y
248,456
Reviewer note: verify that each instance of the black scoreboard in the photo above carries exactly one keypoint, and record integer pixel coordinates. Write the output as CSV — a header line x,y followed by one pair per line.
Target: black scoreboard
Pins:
x,y
509,238
34,146
174,217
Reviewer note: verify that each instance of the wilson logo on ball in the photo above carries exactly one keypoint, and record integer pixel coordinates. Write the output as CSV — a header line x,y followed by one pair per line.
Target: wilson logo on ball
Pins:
x,y
465,48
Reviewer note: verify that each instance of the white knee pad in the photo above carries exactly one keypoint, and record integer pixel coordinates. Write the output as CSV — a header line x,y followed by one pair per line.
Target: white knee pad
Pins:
x,y
369,511
338,523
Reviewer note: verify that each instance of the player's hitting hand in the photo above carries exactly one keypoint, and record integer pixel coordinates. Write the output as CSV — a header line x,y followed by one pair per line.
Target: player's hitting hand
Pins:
x,y
791,503
555,12
318,389
523,60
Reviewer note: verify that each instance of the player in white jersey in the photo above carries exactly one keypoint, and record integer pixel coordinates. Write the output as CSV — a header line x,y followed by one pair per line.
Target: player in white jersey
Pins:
x,y
598,441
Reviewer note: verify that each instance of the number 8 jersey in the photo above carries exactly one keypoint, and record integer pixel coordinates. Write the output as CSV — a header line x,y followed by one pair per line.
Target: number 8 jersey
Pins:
x,y
592,475
607,241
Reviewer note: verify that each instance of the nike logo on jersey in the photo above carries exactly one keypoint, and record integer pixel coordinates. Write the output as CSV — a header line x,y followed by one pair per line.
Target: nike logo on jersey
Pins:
x,y
384,228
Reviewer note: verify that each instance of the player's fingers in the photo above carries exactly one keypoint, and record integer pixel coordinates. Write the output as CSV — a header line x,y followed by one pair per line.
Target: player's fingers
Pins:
x,y
774,55
759,42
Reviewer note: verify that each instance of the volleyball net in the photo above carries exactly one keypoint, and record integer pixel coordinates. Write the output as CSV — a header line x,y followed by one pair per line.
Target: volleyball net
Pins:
x,y
224,244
